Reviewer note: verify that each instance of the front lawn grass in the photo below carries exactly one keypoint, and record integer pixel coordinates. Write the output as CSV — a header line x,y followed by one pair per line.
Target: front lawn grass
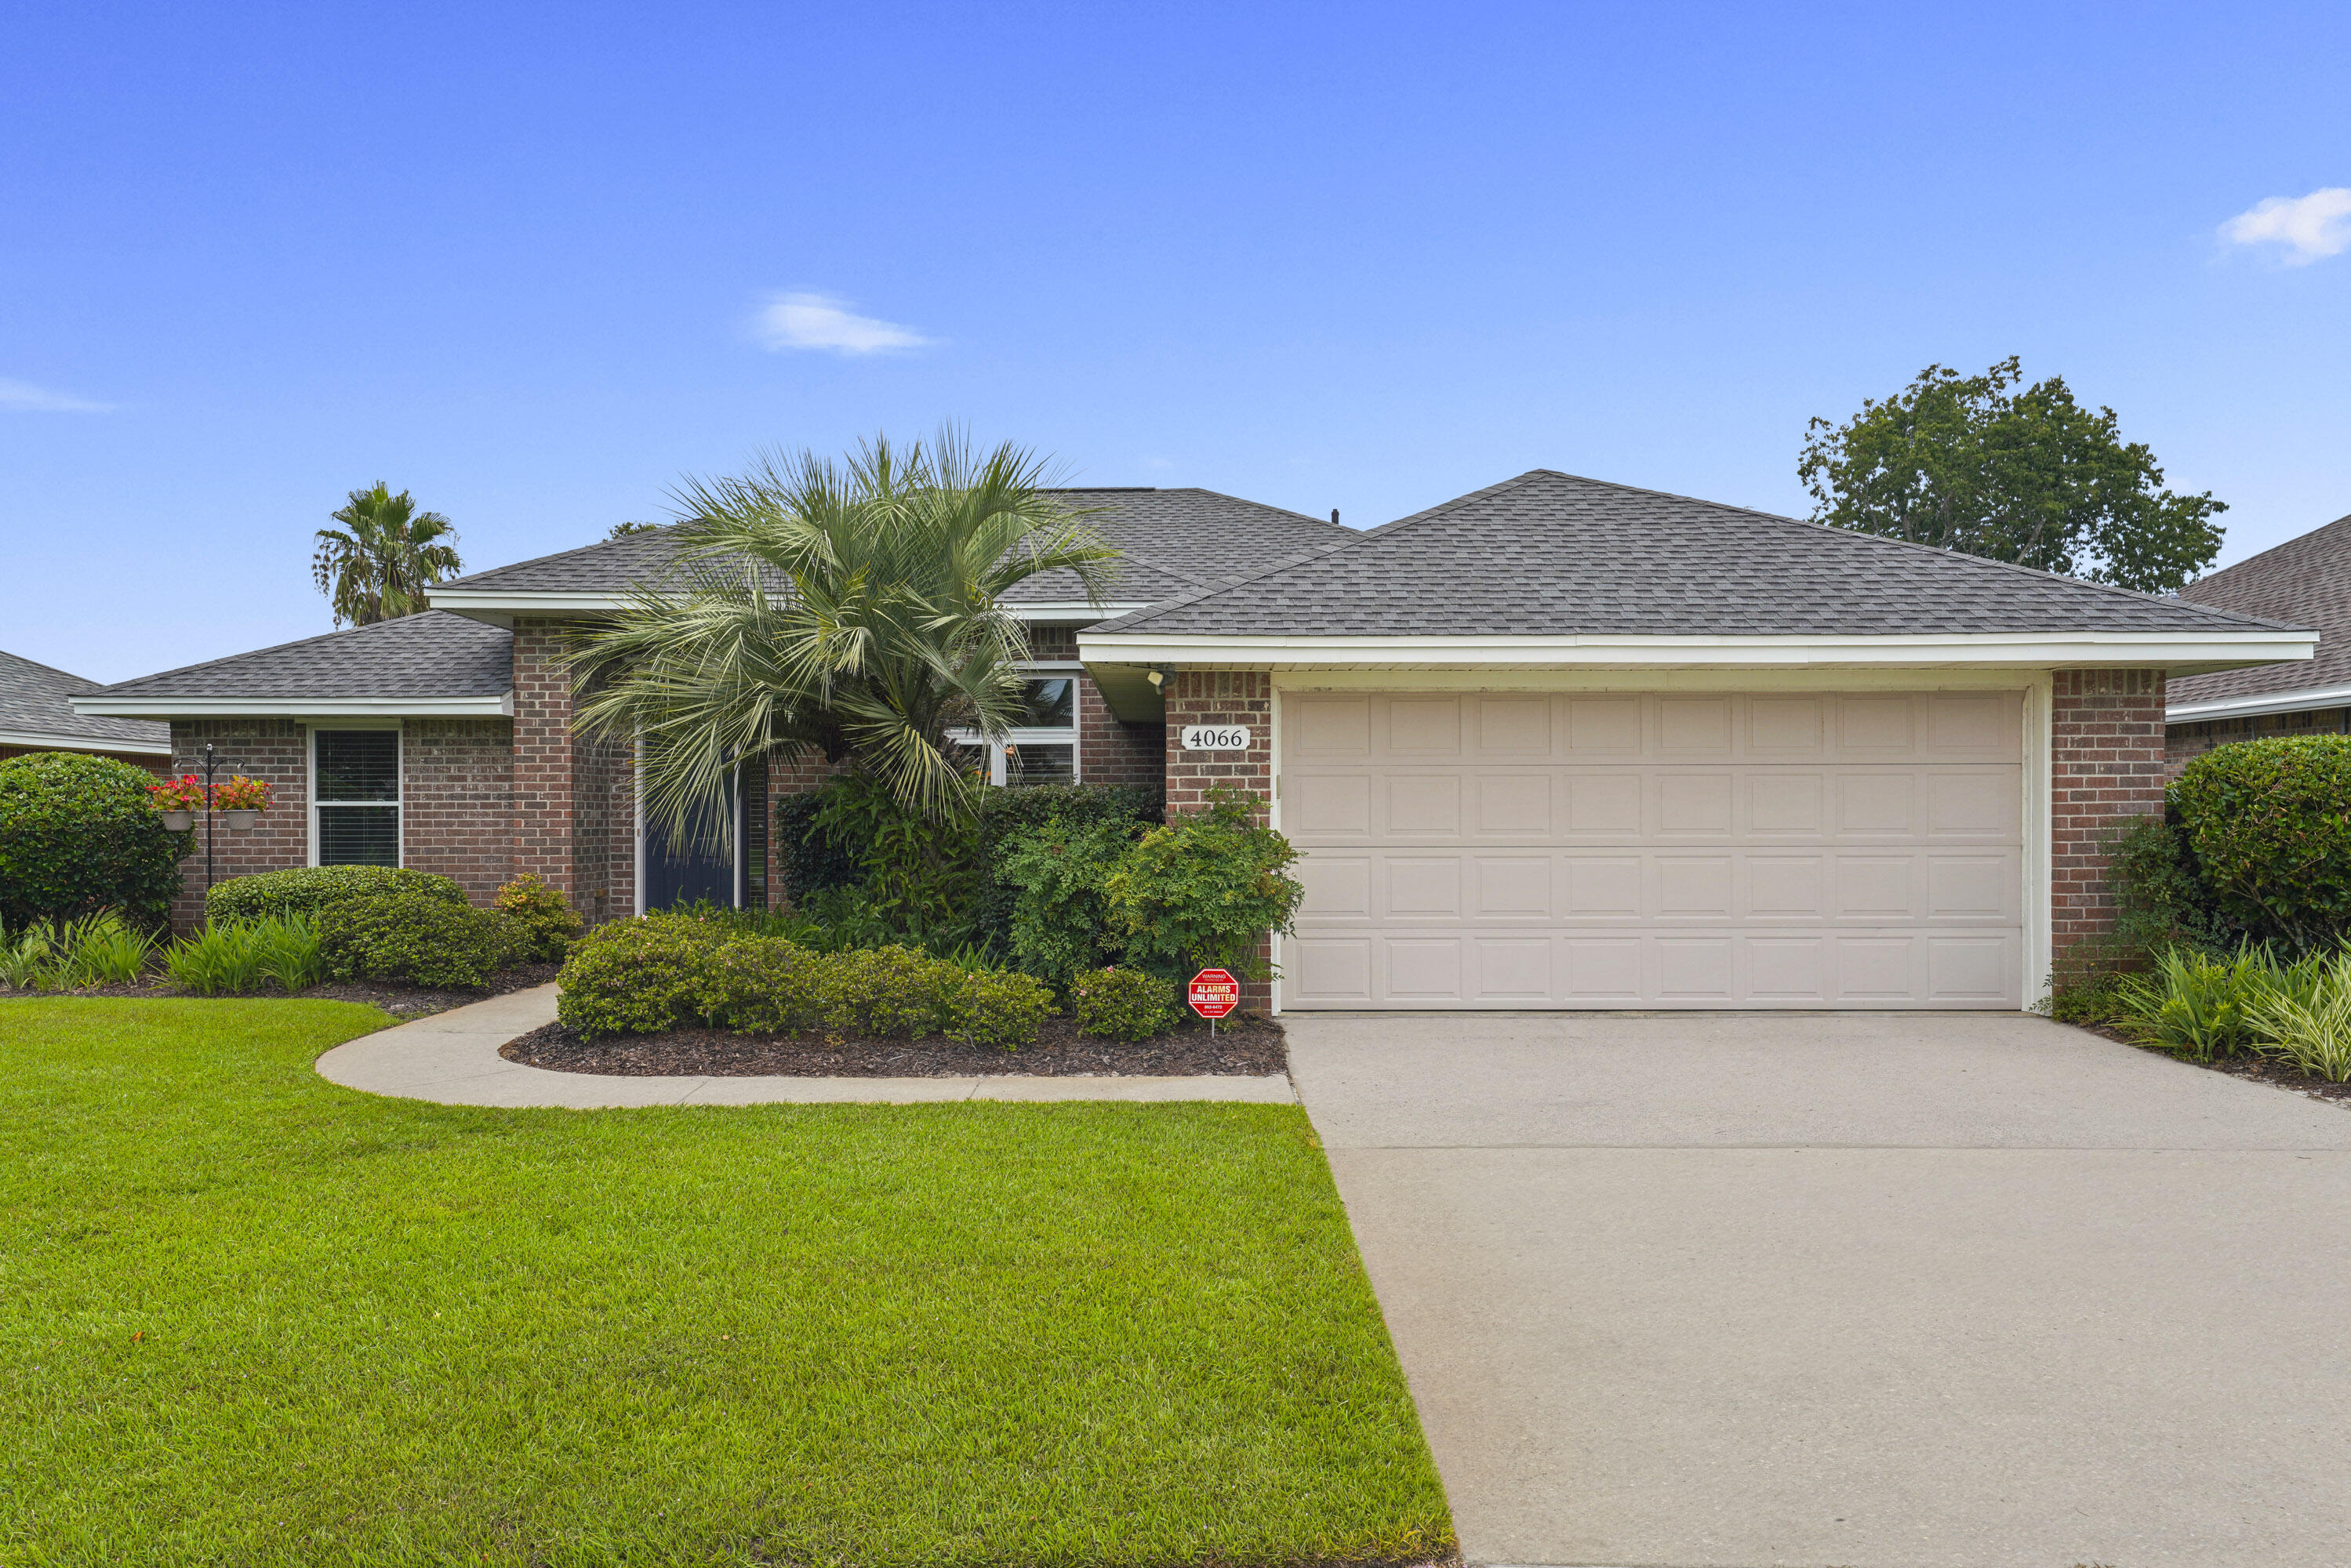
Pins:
x,y
249,1317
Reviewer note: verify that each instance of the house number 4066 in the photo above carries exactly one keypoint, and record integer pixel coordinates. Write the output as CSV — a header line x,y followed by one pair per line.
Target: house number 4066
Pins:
x,y
1215,737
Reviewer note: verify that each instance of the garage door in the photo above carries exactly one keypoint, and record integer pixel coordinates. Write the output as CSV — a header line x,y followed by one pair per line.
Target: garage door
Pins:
x,y
1481,850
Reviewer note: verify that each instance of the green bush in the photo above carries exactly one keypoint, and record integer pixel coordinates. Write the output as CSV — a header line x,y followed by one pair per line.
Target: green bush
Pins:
x,y
991,1007
807,857
239,958
418,939
2269,823
2159,895
1125,1004
1061,920
65,956
762,985
2194,1005
883,991
79,835
640,976
305,890
2308,1026
1204,890
1007,816
549,925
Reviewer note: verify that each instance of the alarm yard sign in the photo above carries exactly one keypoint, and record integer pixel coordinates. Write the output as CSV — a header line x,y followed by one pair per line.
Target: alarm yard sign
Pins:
x,y
1214,994
1215,737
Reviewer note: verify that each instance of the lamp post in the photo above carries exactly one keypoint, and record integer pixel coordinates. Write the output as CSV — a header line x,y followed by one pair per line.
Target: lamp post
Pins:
x,y
211,762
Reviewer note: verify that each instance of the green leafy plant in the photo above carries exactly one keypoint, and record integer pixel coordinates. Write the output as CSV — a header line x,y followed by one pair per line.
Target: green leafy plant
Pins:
x,y
239,958
549,925
1061,923
881,991
102,951
1125,1004
2197,1005
378,565
418,939
1007,816
80,834
26,957
185,793
305,890
640,976
2309,1027
761,985
808,857
1206,889
1001,1007
915,869
241,794
2269,822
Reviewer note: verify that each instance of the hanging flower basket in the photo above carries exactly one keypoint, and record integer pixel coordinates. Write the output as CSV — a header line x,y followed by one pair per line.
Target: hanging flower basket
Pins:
x,y
177,800
241,821
241,801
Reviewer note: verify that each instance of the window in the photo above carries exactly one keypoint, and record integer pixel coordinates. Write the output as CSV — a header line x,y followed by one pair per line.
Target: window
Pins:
x,y
1042,745
356,797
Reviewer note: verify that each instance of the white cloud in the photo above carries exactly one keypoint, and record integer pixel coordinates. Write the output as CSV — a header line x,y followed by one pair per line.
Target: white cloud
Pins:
x,y
2309,226
26,396
820,322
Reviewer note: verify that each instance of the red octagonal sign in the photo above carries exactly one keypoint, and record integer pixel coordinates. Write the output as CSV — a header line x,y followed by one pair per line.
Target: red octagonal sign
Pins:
x,y
1214,993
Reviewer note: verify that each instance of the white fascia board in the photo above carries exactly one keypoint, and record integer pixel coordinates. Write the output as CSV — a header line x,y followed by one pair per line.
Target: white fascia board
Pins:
x,y
79,742
296,708
1074,611
495,601
2257,703
2179,652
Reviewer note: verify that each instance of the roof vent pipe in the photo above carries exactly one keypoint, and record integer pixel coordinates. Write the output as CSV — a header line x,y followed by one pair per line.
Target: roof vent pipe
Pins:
x,y
1335,514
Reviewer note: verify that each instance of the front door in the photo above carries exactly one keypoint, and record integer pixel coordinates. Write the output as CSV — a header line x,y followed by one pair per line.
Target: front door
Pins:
x,y
695,870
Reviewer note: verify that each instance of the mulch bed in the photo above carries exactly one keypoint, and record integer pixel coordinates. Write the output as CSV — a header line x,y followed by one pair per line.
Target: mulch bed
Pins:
x,y
1251,1046
2262,1070
400,1001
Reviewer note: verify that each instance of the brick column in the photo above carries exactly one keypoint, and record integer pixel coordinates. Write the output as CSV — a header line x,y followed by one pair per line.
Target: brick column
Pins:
x,y
1223,697
275,750
2106,768
544,803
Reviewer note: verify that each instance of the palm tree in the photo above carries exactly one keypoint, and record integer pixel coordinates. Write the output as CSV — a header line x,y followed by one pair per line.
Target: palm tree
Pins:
x,y
851,606
377,566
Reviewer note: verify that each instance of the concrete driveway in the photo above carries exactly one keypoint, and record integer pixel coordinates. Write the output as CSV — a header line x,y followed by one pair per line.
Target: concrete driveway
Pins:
x,y
1852,1289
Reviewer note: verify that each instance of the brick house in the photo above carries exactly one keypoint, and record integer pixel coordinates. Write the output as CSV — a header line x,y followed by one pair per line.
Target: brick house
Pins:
x,y
2304,581
36,715
1556,744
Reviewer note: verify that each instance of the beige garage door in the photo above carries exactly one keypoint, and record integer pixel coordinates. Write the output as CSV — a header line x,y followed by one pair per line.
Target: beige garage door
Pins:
x,y
1475,850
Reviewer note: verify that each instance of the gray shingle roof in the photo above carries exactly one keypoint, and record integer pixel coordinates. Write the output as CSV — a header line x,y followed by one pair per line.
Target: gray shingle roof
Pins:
x,y
430,654
1175,541
34,700
2304,581
1551,554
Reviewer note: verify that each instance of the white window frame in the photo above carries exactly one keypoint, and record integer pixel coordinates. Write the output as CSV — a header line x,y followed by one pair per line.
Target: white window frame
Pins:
x,y
398,803
998,772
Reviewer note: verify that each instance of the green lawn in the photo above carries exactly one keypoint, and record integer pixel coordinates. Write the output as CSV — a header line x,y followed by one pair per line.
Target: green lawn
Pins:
x,y
249,1317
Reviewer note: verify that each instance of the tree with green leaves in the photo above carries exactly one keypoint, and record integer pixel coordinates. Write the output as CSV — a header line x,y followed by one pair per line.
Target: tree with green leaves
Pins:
x,y
851,606
377,566
1984,466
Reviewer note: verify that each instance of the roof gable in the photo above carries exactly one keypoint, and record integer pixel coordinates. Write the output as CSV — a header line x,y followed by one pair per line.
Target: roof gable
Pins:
x,y
1551,554
2305,581
37,701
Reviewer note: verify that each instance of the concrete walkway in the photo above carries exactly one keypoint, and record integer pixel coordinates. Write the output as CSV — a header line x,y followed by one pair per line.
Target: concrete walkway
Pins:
x,y
453,1058
1870,1290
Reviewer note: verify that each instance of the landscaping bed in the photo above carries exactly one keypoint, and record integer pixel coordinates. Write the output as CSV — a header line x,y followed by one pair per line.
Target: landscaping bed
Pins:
x,y
1251,1046
2259,1069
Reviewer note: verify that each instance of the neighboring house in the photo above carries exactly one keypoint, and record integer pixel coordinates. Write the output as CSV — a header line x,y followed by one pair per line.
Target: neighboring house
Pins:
x,y
2304,581
1556,744
36,714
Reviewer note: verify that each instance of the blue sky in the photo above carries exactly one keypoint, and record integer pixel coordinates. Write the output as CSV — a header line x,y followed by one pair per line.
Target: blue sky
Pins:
x,y
533,263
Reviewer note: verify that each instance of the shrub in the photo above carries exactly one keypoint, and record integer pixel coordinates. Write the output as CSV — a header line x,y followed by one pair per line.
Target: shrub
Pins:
x,y
79,834
1008,815
1125,1004
419,939
2305,1018
639,976
2194,1005
1061,921
1204,890
808,857
881,991
549,925
238,957
2269,823
763,985
305,890
63,956
990,1007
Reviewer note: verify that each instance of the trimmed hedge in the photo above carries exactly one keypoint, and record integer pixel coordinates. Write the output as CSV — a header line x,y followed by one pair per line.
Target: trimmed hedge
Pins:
x,y
416,938
676,971
80,834
1125,1004
2269,825
549,925
305,890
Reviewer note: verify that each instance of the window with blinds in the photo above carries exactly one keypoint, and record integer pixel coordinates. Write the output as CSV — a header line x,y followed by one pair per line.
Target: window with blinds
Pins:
x,y
356,796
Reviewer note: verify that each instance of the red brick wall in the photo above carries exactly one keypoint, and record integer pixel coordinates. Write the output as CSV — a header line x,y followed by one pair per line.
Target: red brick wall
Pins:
x,y
276,750
1222,697
1110,752
2185,742
545,759
2105,766
456,800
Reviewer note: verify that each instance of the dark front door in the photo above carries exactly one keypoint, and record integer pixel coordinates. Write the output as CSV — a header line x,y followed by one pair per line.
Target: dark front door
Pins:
x,y
694,869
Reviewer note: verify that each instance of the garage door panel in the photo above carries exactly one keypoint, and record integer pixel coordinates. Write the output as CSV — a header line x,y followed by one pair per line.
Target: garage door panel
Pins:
x,y
1682,850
